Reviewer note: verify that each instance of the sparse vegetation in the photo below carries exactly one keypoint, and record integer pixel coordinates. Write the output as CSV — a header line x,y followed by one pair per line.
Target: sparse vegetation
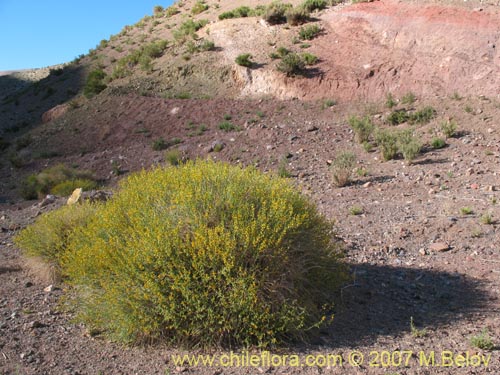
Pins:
x,y
409,145
356,210
227,126
482,341
161,144
342,167
487,219
408,98
296,16
417,332
449,128
95,83
244,60
312,5
276,13
291,64
387,140
60,176
199,7
423,116
173,157
437,143
399,116
362,127
309,32
309,59
390,101
240,12
466,211
187,30
205,272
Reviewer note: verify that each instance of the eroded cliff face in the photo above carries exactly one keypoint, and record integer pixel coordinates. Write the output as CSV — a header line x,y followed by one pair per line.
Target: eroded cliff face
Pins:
x,y
369,49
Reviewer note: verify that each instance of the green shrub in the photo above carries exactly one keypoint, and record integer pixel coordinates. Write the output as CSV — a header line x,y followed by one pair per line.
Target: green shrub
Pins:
x,y
449,128
397,117
437,143
291,64
408,98
423,116
244,60
95,83
312,5
387,141
158,10
227,126
342,167
142,56
173,157
199,7
67,187
42,183
240,12
205,254
171,11
188,30
409,145
161,144
309,32
276,13
309,59
362,127
482,341
296,16
389,101
48,237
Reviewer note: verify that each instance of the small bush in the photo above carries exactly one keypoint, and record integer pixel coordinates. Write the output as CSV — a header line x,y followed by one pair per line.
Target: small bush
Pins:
x,y
42,183
240,12
437,143
291,64
67,187
49,236
387,140
244,60
398,116
227,126
95,83
199,7
423,116
296,16
362,127
173,157
482,341
276,13
409,145
449,128
487,219
158,10
390,101
309,32
342,168
205,254
356,210
312,5
466,211
408,98
161,144
187,30
171,11
309,59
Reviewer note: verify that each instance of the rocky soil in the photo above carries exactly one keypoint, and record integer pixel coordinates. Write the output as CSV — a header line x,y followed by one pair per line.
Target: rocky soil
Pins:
x,y
421,251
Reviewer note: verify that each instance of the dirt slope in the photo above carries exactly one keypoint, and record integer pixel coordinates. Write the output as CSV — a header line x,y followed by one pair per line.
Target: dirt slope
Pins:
x,y
369,49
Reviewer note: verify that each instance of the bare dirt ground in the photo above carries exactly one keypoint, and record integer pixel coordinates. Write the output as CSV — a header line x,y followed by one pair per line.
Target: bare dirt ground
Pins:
x,y
453,294
414,254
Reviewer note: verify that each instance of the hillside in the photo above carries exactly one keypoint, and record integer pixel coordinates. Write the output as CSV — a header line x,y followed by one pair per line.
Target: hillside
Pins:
x,y
421,235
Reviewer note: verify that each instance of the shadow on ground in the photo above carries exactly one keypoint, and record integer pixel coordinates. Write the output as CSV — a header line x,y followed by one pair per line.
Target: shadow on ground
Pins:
x,y
382,299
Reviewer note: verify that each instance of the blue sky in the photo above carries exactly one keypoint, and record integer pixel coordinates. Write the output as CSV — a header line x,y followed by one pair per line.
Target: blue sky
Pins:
x,y
39,33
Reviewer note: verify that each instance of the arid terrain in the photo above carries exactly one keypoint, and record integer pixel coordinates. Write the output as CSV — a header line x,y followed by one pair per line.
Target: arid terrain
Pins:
x,y
422,238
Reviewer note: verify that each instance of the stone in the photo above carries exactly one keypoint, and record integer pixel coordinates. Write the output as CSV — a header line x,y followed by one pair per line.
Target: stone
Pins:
x,y
75,197
367,184
474,186
54,113
439,246
49,289
49,199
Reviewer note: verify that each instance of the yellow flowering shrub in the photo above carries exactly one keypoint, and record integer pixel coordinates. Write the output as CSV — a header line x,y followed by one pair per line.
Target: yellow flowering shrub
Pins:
x,y
49,235
204,254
